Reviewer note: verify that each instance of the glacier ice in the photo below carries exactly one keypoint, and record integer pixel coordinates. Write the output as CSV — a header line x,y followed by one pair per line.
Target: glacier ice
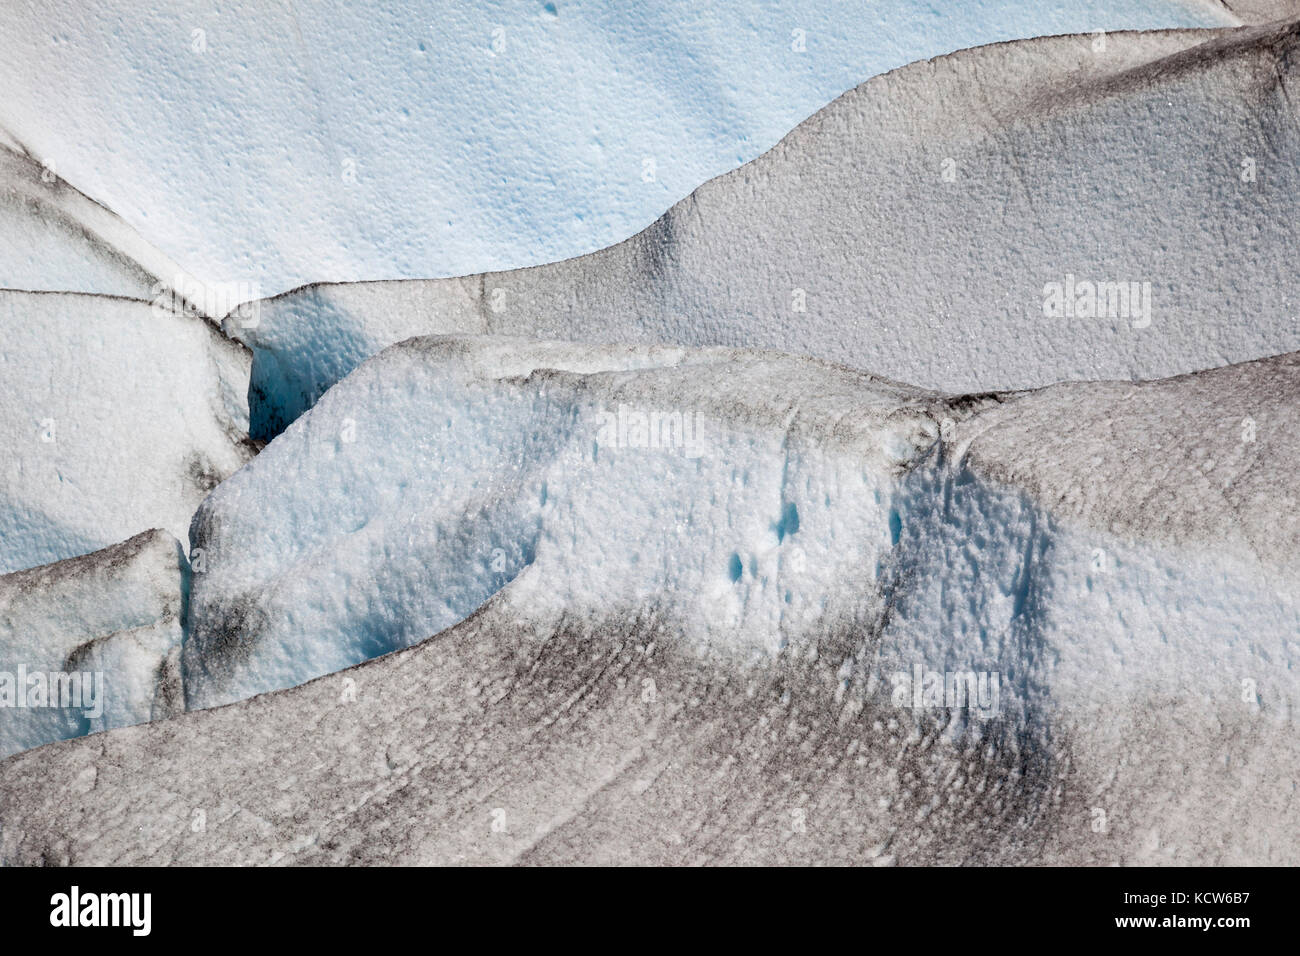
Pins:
x,y
53,238
439,138
112,617
566,564
911,228
446,467
118,417
700,651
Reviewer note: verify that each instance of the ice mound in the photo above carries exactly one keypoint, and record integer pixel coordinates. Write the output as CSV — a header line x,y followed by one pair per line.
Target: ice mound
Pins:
x,y
1006,217
711,658
108,626
117,416
1125,557
445,467
279,148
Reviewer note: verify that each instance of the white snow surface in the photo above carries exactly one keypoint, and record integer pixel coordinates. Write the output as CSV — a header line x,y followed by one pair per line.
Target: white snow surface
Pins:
x,y
282,144
1165,162
115,613
116,417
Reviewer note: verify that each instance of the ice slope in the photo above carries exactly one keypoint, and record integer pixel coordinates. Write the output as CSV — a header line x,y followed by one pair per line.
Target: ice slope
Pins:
x,y
116,416
289,143
1259,11
699,664
1166,160
115,613
1126,557
446,466
54,238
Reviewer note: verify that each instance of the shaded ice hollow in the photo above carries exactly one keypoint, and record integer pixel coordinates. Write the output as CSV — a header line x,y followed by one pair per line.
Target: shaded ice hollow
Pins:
x,y
672,654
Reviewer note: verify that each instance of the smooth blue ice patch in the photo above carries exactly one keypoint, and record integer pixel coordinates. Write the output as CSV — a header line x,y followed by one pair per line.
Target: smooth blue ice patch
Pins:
x,y
789,522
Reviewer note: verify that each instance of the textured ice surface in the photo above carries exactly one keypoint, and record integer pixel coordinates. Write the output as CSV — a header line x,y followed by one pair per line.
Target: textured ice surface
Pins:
x,y
115,417
1259,11
293,143
114,617
652,603
443,468
913,227
54,238
697,663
